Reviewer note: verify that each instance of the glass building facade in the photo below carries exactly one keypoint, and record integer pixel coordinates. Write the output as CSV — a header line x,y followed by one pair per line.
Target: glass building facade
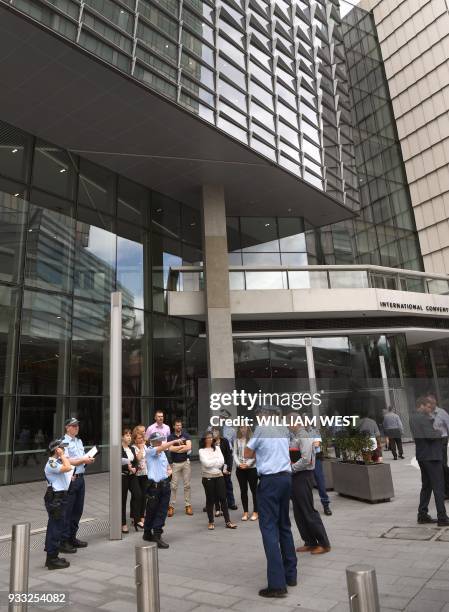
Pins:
x,y
300,82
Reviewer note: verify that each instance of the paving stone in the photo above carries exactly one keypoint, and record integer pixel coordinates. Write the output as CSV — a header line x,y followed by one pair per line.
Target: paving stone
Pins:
x,y
117,605
218,599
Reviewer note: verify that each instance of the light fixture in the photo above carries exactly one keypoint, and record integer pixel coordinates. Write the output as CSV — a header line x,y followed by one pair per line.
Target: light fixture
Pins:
x,y
158,210
30,230
14,150
63,170
267,225
289,210
193,224
16,194
58,317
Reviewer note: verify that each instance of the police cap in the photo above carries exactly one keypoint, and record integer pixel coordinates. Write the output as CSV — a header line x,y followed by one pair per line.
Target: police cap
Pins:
x,y
58,443
156,437
72,421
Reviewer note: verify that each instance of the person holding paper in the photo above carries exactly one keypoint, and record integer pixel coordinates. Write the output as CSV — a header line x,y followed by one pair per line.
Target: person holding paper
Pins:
x,y
130,464
75,499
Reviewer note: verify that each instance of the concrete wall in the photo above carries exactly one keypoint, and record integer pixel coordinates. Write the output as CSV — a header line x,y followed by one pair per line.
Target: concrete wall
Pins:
x,y
414,38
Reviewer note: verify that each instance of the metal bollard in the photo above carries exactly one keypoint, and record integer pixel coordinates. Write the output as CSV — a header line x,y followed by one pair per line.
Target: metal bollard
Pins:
x,y
147,578
20,564
362,588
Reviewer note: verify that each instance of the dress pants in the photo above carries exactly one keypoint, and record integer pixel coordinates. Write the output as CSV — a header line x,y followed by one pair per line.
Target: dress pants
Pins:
x,y
158,498
320,482
247,476
432,479
56,509
74,509
395,441
445,467
130,482
181,469
215,490
273,497
308,520
143,484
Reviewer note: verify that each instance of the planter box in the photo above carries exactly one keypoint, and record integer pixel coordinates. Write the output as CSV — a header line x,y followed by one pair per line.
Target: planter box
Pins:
x,y
328,476
371,483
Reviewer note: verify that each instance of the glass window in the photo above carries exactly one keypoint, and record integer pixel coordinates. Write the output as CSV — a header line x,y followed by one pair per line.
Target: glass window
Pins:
x,y
50,250
198,26
90,348
165,215
136,352
261,95
106,52
168,356
157,42
233,73
95,259
39,421
133,203
259,234
130,264
288,358
291,234
159,19
96,187
115,13
251,359
198,47
151,79
93,413
47,201
237,56
44,344
8,319
232,94
197,70
264,279
12,236
46,15
53,170
231,129
156,63
107,32
14,151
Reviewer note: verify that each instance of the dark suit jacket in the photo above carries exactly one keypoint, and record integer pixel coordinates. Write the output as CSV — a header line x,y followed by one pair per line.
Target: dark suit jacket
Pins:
x,y
227,453
134,462
427,439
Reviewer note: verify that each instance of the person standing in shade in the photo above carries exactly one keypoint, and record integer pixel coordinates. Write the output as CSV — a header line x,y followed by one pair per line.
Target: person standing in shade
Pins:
x,y
180,464
245,471
318,472
393,430
158,426
429,456
57,473
223,444
308,520
270,446
75,499
158,488
441,422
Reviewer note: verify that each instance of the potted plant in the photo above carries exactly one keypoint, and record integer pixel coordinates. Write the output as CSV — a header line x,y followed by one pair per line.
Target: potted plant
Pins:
x,y
356,475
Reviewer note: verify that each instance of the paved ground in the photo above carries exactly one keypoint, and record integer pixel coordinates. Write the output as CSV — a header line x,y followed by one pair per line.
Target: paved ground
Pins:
x,y
223,570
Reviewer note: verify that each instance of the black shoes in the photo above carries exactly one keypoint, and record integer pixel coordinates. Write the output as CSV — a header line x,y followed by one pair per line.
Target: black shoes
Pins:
x,y
149,537
78,543
54,563
273,592
234,507
66,547
426,518
444,522
327,511
292,583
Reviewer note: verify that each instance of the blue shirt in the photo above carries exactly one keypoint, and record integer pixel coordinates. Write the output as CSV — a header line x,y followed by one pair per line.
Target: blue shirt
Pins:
x,y
271,445
230,434
75,450
157,464
58,480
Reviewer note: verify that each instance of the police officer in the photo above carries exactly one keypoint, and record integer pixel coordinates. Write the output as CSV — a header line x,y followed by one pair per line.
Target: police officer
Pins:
x,y
57,473
158,488
270,446
75,499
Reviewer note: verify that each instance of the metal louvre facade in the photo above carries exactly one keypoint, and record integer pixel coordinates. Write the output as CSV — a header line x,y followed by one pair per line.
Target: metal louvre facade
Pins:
x,y
271,74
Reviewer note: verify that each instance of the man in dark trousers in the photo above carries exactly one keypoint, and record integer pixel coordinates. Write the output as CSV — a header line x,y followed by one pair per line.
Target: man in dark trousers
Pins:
x,y
307,518
270,446
441,422
429,457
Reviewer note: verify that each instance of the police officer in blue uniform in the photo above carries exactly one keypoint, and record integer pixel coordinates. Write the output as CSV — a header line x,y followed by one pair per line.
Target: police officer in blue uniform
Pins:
x,y
270,446
75,499
158,488
57,473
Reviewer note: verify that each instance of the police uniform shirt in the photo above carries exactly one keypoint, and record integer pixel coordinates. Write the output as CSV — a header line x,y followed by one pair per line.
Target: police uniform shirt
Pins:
x,y
75,450
157,464
271,445
54,476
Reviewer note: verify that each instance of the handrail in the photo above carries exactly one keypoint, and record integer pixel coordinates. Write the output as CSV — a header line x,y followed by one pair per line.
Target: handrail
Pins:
x,y
316,268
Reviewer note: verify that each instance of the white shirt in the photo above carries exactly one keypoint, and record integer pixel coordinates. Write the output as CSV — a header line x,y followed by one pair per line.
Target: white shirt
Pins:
x,y
212,461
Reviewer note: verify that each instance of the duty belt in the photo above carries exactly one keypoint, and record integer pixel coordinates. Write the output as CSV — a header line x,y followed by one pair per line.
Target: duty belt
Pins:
x,y
153,483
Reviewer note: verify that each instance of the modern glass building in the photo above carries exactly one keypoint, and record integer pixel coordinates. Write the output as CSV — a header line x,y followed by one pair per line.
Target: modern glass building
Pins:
x,y
234,169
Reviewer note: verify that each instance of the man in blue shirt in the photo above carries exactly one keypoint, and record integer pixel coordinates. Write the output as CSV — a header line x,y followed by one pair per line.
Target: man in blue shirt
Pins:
x,y
75,499
270,446
158,488
57,474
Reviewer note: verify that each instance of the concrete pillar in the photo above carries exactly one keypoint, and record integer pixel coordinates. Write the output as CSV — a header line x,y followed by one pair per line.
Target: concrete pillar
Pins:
x,y
220,354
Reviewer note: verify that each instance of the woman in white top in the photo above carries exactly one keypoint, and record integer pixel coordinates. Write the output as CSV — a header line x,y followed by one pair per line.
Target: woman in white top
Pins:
x,y
139,446
212,462
246,472
129,481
